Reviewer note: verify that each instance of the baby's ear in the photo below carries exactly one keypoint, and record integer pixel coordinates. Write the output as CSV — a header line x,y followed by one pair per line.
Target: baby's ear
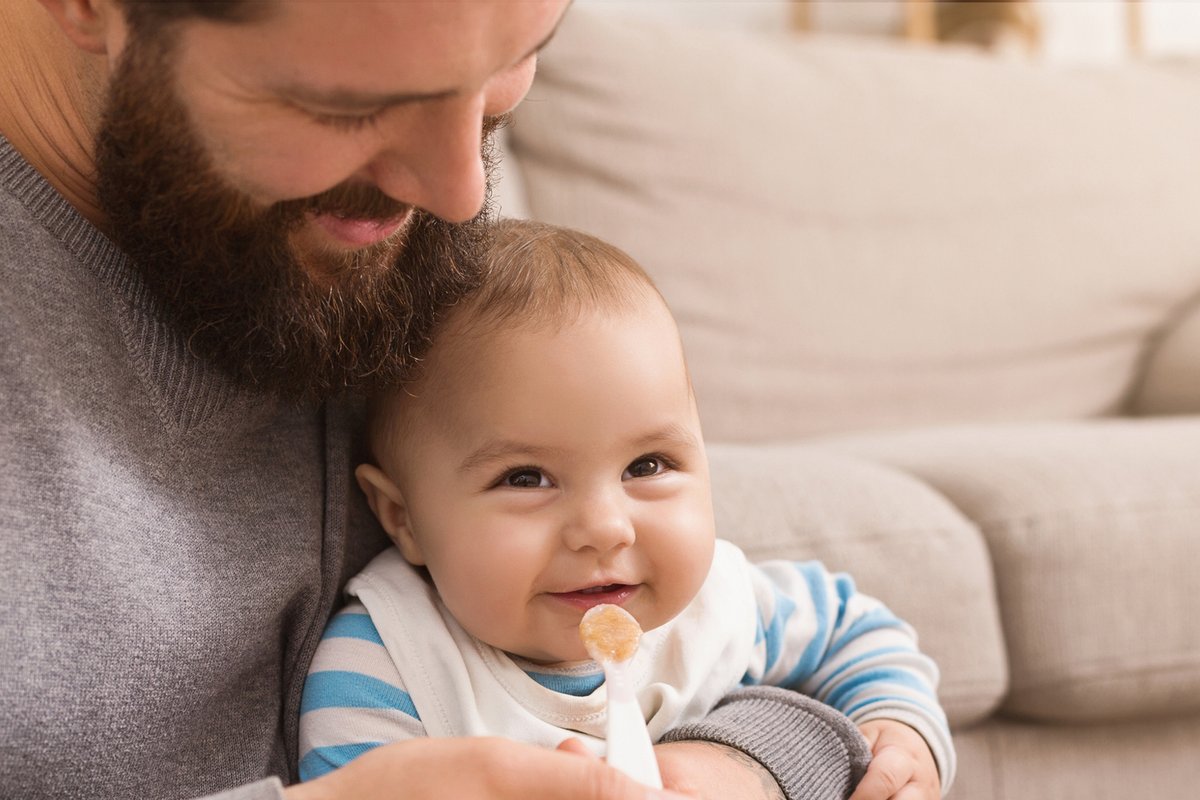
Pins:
x,y
387,502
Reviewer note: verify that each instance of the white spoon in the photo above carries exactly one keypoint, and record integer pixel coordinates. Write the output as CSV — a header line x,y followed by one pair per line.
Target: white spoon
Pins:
x,y
610,634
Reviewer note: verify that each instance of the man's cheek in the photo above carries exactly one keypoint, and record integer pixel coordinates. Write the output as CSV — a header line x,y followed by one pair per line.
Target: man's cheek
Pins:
x,y
272,161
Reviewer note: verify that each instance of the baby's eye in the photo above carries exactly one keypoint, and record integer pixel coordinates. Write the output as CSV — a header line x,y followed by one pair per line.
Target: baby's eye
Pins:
x,y
644,467
526,478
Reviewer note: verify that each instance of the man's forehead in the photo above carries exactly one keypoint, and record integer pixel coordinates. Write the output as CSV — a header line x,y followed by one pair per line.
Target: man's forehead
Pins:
x,y
316,91
372,50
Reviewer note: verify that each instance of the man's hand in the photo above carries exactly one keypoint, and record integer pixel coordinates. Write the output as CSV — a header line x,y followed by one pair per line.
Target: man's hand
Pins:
x,y
473,769
705,770
714,772
902,766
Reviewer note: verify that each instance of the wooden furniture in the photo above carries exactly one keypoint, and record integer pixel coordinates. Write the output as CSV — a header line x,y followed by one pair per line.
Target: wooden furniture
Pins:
x,y
989,24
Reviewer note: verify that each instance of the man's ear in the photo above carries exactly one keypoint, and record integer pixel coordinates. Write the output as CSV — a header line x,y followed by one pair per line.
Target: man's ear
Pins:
x,y
85,22
387,502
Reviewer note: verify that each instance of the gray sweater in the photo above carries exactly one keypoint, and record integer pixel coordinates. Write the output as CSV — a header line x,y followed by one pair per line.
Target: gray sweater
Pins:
x,y
172,547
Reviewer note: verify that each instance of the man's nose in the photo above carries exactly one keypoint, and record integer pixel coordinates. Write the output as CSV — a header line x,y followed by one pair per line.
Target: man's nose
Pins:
x,y
432,159
600,522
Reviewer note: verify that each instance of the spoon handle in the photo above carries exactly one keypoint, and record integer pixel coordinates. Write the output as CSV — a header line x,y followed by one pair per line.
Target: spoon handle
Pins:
x,y
629,746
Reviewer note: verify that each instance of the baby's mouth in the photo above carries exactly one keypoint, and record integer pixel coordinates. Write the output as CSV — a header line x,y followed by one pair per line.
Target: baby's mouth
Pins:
x,y
610,587
585,598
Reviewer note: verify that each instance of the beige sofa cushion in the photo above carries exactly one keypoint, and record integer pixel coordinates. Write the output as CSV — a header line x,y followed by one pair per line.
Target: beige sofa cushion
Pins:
x,y
1020,761
900,541
1093,534
856,234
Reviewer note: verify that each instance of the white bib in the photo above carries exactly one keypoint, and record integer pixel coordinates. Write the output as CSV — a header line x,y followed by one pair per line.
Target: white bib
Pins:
x,y
463,687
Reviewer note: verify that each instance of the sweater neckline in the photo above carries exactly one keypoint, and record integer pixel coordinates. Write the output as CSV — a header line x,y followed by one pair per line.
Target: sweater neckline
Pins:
x,y
189,394
61,219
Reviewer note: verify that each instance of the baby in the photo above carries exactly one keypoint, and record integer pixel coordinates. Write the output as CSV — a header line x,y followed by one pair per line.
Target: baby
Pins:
x,y
548,458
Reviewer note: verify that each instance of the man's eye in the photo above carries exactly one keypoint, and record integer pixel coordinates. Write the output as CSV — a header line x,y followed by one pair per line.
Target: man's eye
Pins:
x,y
526,478
644,467
348,122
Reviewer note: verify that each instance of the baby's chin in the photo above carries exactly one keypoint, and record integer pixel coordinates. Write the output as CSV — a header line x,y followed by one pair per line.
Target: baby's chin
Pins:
x,y
556,658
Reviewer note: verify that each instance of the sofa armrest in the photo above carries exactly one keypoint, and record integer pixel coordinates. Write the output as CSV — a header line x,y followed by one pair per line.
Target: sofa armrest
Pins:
x,y
1170,381
899,540
1091,530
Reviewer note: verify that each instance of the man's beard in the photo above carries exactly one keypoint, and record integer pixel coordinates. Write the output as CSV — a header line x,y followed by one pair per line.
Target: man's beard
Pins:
x,y
227,277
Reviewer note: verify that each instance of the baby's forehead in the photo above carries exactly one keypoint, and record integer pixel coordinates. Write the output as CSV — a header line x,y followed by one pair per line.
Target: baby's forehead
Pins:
x,y
550,316
475,376
538,282
473,342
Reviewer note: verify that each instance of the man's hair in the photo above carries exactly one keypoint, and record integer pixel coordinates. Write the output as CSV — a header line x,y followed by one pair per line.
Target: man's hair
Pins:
x,y
534,276
151,16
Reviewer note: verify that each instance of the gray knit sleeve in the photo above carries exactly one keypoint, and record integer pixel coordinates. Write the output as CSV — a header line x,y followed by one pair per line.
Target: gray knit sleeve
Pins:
x,y
812,750
269,789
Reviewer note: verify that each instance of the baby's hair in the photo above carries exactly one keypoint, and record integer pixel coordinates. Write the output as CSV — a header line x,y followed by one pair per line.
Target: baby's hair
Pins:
x,y
538,274
533,275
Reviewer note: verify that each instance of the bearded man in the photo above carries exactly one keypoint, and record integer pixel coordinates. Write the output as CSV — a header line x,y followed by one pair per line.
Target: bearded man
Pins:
x,y
220,219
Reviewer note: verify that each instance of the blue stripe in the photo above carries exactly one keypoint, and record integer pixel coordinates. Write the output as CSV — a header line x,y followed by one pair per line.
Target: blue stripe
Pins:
x,y
814,575
760,635
784,606
574,685
874,678
323,760
872,620
352,626
837,673
845,590
932,711
342,689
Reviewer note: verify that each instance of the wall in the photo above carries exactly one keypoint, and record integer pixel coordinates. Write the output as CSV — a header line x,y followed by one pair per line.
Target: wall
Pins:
x,y
1074,31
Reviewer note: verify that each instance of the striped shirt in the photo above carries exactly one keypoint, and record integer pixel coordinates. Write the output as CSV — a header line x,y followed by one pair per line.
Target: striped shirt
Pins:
x,y
815,633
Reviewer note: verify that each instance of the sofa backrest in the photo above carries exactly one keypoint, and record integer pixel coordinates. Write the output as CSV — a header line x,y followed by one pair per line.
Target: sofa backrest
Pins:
x,y
860,234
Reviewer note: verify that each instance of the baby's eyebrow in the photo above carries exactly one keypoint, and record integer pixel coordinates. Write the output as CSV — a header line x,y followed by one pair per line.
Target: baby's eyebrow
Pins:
x,y
673,434
495,450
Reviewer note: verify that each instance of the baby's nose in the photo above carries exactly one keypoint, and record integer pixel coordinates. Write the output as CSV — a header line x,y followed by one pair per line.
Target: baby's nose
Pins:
x,y
600,523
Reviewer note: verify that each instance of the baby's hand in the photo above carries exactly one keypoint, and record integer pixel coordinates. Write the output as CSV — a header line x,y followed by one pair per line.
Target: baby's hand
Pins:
x,y
902,767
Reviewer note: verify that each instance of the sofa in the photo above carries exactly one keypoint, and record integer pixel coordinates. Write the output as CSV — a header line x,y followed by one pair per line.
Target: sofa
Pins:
x,y
941,316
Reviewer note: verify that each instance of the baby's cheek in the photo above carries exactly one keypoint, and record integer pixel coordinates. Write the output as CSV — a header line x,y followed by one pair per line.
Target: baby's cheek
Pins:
x,y
682,563
693,537
472,602
486,593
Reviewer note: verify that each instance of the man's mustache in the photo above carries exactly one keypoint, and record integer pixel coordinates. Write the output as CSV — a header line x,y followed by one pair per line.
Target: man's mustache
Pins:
x,y
348,200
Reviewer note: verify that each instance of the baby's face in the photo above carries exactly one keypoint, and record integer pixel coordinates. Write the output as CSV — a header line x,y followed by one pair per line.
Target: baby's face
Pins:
x,y
551,471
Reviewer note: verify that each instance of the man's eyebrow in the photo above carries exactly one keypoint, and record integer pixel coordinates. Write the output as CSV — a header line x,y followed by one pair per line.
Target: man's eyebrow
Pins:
x,y
503,450
352,100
